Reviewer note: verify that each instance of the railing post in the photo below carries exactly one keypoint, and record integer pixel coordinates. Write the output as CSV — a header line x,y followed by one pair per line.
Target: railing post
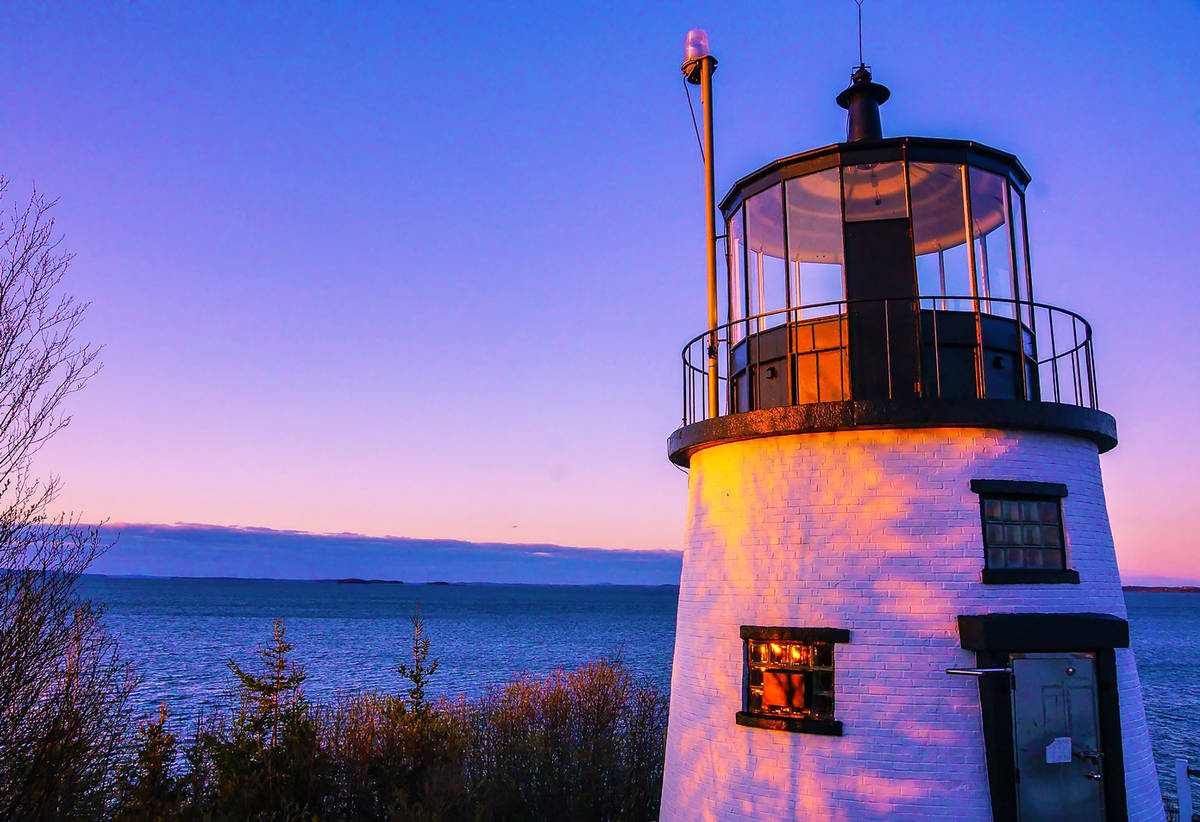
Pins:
x,y
789,328
752,375
1183,789
1053,353
887,344
1091,364
1075,361
843,320
941,279
689,403
1033,332
1025,391
937,354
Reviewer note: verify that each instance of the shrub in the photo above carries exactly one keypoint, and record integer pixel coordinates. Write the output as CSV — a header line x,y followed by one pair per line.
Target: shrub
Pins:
x,y
148,787
391,762
398,757
584,745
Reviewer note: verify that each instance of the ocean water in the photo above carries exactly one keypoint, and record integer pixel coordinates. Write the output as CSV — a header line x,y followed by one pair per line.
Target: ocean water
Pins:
x,y
181,632
1164,632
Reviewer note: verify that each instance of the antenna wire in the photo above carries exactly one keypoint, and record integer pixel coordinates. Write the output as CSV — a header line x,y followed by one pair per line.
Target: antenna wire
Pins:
x,y
859,3
695,126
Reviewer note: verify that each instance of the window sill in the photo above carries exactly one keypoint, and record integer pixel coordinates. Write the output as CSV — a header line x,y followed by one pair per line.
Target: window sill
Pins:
x,y
1029,576
825,727
1035,489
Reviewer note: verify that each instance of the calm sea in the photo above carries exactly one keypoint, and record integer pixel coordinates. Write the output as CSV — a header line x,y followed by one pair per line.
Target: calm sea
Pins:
x,y
180,632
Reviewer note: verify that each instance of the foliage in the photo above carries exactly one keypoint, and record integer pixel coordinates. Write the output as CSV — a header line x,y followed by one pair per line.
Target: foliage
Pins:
x,y
148,787
63,691
392,762
270,699
584,744
421,672
265,760
399,758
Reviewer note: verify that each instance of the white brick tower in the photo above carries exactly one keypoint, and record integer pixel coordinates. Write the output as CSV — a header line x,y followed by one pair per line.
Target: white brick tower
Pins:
x,y
900,598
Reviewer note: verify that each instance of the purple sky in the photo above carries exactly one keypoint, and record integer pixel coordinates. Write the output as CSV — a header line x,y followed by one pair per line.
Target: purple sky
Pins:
x,y
425,270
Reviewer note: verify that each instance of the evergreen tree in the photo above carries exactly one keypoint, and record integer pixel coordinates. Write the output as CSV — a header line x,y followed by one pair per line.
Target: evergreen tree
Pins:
x,y
421,672
270,698
266,762
147,787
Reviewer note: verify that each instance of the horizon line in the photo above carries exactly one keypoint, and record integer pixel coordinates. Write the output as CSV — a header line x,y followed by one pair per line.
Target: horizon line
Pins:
x,y
362,581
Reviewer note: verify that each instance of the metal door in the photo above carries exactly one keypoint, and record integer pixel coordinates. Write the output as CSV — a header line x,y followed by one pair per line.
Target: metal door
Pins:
x,y
1056,738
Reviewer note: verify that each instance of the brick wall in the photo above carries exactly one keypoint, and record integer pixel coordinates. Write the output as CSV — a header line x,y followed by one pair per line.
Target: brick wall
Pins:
x,y
877,532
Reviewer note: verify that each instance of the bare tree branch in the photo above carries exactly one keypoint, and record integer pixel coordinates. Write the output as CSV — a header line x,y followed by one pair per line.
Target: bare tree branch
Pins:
x,y
63,691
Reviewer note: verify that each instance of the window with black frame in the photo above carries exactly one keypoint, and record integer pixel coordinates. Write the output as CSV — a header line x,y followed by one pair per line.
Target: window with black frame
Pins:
x,y
1023,537
788,678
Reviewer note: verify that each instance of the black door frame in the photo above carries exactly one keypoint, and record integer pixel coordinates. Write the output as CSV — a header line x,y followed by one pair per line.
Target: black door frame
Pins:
x,y
993,637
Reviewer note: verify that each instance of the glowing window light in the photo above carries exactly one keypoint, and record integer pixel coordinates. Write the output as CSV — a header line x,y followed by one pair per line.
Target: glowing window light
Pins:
x,y
790,679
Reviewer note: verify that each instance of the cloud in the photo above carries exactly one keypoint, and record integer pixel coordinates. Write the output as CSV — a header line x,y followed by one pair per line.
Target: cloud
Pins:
x,y
194,550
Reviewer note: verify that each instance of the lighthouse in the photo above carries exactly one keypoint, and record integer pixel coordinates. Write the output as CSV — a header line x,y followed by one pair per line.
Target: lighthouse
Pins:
x,y
899,596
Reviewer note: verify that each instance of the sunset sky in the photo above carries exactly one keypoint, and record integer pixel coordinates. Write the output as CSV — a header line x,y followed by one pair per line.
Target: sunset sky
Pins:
x,y
425,270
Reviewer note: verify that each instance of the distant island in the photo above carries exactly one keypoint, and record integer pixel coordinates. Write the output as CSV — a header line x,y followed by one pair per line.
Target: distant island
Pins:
x,y
1178,589
357,581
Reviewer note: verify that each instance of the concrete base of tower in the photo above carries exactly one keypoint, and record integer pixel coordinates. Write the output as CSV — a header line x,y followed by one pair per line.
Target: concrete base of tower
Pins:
x,y
878,533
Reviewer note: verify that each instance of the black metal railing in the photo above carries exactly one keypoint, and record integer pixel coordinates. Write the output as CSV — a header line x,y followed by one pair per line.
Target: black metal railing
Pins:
x,y
900,348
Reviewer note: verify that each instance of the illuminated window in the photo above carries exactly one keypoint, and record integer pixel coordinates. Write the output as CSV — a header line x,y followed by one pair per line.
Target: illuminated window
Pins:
x,y
788,678
1023,540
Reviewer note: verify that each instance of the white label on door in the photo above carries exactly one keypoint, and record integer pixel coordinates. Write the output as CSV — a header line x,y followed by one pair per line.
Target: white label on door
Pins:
x,y
1058,751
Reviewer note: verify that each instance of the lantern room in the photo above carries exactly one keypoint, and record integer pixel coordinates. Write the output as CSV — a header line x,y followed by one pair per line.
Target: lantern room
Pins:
x,y
882,269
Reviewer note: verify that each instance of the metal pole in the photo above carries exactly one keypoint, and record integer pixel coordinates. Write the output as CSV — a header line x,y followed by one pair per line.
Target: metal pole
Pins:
x,y
980,386
707,64
968,219
942,278
1183,789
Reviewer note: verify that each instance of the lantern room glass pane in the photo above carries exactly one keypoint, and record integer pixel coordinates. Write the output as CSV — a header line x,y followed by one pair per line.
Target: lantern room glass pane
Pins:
x,y
814,235
767,274
939,224
737,275
989,232
1024,293
874,191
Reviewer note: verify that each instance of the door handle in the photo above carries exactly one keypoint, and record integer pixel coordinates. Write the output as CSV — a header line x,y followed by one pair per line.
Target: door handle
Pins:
x,y
1091,756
